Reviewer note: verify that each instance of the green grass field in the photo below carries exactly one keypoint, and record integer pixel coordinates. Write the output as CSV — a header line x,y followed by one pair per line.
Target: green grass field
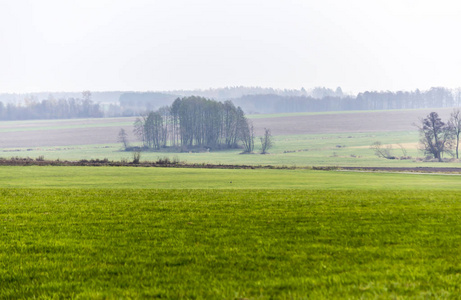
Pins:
x,y
218,244
125,232
189,178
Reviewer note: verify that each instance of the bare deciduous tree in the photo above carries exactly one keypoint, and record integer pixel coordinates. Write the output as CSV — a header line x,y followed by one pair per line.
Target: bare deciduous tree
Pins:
x,y
266,141
123,138
382,151
455,126
402,148
436,136
246,133
150,129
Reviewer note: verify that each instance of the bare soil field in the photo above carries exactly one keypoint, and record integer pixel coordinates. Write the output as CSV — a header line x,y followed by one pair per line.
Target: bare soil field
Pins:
x,y
31,124
398,120
104,131
86,132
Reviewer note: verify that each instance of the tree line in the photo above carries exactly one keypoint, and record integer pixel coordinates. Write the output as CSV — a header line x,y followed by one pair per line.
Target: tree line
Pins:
x,y
316,100
196,122
52,109
271,103
259,100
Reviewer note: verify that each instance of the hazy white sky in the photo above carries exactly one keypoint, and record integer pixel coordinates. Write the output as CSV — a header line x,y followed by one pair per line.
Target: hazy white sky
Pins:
x,y
98,45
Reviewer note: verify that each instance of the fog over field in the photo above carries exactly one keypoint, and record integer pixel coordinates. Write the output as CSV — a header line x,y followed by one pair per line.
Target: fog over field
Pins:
x,y
265,56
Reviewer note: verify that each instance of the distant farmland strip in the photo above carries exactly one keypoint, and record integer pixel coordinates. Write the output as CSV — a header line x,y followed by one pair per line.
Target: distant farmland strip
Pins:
x,y
60,127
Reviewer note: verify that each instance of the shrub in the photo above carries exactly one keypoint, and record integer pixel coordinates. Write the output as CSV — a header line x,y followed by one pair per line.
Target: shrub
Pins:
x,y
163,160
136,157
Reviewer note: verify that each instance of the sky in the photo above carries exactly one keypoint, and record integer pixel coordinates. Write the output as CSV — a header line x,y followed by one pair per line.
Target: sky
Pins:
x,y
104,45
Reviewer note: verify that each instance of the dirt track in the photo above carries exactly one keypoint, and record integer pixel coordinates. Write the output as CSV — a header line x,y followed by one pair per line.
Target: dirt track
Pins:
x,y
314,124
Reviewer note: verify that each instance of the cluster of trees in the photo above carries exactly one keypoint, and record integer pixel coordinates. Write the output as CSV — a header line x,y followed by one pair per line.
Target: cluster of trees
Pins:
x,y
52,109
437,137
196,122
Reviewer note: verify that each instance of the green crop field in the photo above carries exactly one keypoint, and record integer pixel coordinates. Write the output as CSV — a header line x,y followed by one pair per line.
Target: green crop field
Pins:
x,y
219,244
191,178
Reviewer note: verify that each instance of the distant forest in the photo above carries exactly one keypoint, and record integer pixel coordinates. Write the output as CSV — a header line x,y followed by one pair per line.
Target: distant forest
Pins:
x,y
252,100
52,109
433,98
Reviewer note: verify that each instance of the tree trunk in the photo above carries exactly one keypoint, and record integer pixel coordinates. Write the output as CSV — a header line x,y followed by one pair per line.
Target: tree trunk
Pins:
x,y
457,145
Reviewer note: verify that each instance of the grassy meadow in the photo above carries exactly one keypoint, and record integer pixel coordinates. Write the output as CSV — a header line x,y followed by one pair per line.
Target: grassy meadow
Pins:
x,y
190,178
345,149
219,244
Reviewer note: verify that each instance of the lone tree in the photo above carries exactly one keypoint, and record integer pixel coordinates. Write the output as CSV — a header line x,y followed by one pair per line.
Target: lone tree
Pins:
x,y
247,136
435,136
150,129
266,141
455,126
382,151
123,138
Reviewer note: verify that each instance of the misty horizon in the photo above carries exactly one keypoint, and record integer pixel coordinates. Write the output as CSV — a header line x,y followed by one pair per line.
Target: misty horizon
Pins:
x,y
268,88
166,46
